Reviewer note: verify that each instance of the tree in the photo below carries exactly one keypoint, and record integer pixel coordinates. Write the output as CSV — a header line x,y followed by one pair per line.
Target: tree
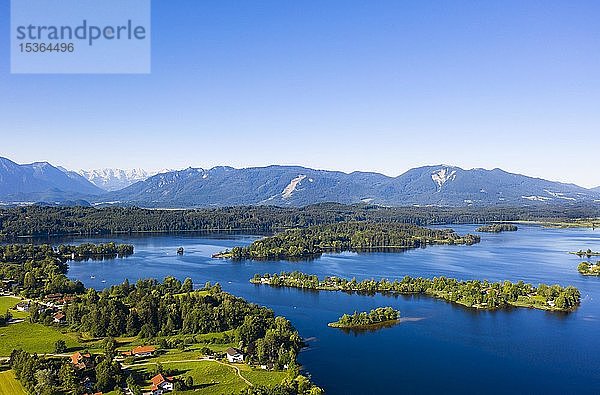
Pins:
x,y
68,377
109,348
108,374
45,382
187,286
60,346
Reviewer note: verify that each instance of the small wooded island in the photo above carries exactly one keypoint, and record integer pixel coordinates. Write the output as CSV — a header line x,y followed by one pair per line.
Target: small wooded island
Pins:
x,y
347,236
497,228
477,294
588,253
589,268
374,318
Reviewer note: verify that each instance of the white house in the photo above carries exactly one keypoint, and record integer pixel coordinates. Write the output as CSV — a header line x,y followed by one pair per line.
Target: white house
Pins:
x,y
234,355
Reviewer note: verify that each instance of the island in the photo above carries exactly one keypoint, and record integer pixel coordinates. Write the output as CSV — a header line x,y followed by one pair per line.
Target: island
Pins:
x,y
61,337
587,253
497,228
589,268
347,236
378,317
475,294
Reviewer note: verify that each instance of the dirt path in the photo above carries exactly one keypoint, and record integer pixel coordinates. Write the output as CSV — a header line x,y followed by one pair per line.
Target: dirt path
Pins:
x,y
239,373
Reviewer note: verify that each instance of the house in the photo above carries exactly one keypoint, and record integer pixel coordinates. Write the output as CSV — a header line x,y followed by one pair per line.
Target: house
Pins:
x,y
160,384
59,318
7,285
141,351
23,306
234,355
82,361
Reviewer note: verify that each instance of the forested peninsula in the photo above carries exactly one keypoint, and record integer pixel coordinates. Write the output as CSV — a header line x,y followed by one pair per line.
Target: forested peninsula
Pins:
x,y
346,236
170,314
476,294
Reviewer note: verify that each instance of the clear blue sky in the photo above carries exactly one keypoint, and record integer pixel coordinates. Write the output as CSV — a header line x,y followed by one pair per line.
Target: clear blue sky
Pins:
x,y
347,85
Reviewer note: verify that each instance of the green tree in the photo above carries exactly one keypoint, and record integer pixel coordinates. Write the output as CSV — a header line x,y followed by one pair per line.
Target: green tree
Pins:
x,y
60,346
45,382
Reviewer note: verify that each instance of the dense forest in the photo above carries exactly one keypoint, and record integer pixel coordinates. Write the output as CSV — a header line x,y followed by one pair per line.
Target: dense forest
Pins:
x,y
472,293
346,236
497,228
361,319
38,270
44,221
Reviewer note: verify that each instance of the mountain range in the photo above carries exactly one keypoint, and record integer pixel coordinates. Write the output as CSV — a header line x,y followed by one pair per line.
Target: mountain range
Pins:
x,y
40,181
115,179
282,186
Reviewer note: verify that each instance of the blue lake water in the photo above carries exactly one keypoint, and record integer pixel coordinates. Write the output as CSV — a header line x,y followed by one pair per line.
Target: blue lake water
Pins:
x,y
446,349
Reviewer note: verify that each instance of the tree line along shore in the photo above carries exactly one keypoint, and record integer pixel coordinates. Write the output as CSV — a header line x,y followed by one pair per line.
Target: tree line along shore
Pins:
x,y
476,294
44,221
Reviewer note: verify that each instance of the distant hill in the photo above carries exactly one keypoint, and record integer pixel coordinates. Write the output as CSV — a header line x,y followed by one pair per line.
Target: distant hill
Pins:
x,y
40,181
597,189
439,185
299,186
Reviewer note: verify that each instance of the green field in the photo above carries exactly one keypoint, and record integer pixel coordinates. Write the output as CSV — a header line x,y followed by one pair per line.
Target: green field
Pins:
x,y
211,377
7,303
9,384
34,338
262,377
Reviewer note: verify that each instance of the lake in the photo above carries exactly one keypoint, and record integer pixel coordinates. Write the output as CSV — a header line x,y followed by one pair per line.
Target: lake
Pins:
x,y
440,348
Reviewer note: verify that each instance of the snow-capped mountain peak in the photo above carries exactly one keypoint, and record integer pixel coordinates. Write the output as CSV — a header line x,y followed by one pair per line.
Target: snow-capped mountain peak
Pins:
x,y
115,179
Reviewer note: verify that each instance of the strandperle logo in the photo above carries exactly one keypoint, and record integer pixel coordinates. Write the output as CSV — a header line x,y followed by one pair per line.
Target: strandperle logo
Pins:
x,y
85,32
80,36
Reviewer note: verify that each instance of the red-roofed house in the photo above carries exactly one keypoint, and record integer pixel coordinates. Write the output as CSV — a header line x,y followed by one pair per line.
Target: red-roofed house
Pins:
x,y
82,361
160,384
143,351
59,318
